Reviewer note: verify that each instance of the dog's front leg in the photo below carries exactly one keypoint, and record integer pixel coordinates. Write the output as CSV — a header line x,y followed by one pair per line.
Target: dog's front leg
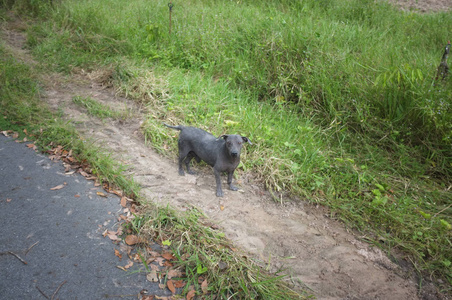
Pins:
x,y
218,180
231,186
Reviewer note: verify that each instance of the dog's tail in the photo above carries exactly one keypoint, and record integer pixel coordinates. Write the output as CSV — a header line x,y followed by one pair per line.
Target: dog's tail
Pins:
x,y
178,127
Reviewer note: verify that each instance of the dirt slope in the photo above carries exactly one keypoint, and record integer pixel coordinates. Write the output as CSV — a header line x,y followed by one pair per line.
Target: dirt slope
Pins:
x,y
318,252
297,237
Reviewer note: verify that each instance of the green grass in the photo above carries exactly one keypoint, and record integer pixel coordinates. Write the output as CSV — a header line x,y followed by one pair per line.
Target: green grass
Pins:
x,y
97,109
198,248
22,111
337,96
203,253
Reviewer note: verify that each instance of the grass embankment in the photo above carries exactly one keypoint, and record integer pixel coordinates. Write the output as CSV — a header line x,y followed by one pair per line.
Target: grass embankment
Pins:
x,y
210,265
23,112
338,97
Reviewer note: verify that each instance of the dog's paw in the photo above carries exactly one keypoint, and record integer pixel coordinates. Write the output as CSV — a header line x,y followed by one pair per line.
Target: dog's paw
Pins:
x,y
233,188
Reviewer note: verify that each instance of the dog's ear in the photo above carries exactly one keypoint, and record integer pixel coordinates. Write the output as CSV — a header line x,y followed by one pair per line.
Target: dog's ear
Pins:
x,y
224,136
246,140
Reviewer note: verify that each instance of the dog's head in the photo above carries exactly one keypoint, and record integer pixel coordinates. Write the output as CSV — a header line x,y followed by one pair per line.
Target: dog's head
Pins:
x,y
234,143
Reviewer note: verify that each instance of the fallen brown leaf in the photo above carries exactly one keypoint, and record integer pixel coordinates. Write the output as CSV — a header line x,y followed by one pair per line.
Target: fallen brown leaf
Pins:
x,y
190,294
159,260
171,287
119,231
112,236
116,192
204,287
118,254
179,283
129,264
168,256
137,257
152,276
132,239
173,273
154,267
153,253
122,268
123,202
167,263
58,187
101,194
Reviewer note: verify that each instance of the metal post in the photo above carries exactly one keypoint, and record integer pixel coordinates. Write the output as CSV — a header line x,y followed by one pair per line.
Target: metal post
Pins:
x,y
170,5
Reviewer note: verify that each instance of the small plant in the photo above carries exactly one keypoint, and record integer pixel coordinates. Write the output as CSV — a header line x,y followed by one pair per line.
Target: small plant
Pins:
x,y
153,33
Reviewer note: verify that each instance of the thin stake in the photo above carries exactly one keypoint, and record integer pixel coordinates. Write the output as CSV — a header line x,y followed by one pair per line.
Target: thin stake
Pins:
x,y
170,5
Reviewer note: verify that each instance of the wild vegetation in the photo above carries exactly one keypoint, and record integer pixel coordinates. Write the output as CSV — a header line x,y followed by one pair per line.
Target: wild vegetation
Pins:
x,y
338,96
205,256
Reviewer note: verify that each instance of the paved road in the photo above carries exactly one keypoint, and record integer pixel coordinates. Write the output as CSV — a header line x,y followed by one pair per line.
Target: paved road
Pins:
x,y
71,254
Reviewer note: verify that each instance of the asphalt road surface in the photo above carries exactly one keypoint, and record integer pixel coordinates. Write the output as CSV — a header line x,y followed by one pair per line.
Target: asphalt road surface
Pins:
x,y
51,242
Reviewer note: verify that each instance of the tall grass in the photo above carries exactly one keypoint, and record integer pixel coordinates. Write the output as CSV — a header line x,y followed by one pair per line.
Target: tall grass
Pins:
x,y
201,252
350,61
338,97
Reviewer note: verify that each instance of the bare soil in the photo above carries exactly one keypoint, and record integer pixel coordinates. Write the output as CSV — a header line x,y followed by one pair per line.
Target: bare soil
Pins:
x,y
423,6
319,253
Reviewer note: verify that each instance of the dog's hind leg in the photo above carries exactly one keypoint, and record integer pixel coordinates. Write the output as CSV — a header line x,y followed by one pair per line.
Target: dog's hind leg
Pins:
x,y
188,159
183,157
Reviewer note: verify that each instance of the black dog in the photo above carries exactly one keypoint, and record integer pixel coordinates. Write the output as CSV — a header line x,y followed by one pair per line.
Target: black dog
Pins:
x,y
222,153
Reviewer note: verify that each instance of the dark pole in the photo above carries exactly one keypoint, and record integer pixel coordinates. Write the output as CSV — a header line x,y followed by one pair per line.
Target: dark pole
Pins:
x,y
170,5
